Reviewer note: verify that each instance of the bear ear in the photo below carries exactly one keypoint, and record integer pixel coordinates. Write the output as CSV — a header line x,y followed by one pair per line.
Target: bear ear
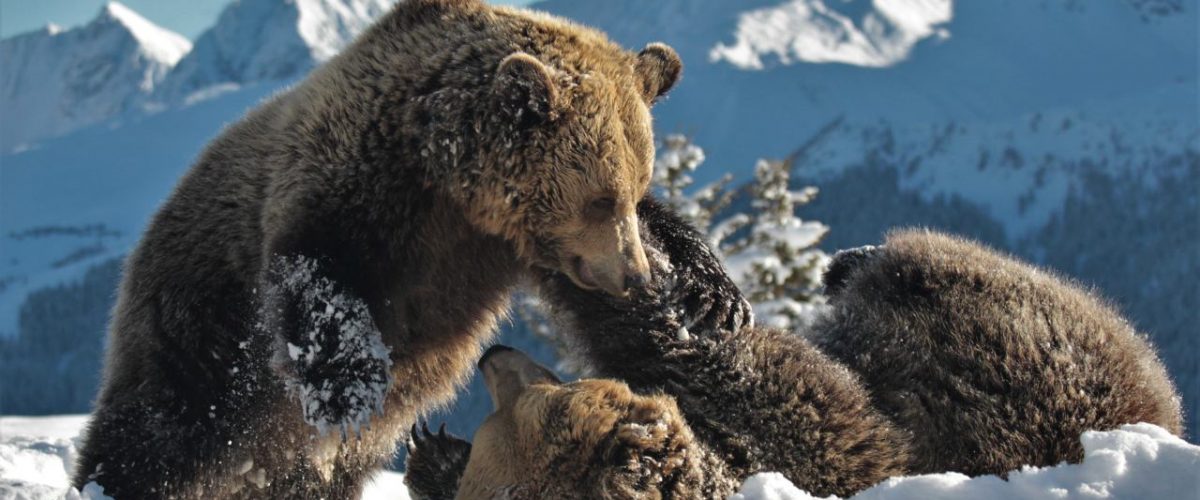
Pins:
x,y
659,67
527,90
507,372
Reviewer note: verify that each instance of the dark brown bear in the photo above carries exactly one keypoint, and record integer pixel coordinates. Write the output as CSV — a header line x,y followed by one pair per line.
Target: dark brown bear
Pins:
x,y
990,363
345,248
755,399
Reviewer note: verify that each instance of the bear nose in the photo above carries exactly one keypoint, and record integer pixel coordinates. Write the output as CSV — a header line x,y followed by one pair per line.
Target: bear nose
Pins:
x,y
635,280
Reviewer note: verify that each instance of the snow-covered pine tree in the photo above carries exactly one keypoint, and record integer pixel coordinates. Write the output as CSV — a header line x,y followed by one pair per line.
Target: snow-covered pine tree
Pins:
x,y
777,264
774,260
677,160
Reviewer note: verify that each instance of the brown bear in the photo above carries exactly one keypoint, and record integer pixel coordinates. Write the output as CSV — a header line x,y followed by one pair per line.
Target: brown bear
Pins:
x,y
587,439
755,399
989,363
345,248
983,363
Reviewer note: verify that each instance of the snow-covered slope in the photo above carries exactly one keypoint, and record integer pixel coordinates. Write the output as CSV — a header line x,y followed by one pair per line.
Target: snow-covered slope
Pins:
x,y
267,40
822,59
55,80
84,198
815,31
1136,462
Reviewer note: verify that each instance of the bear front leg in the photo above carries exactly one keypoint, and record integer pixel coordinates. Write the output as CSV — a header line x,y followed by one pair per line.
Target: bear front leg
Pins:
x,y
328,349
435,463
696,283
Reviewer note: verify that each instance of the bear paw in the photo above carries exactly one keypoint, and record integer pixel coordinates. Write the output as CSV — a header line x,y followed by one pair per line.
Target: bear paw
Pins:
x,y
435,463
844,263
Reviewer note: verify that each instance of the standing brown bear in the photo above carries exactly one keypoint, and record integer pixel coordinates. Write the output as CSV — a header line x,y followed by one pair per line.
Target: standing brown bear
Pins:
x,y
346,247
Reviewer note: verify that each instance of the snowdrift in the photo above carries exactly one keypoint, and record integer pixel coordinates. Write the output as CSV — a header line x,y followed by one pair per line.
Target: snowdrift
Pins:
x,y
1139,461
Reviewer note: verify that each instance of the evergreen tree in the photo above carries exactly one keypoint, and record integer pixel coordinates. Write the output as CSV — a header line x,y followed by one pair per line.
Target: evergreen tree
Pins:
x,y
777,264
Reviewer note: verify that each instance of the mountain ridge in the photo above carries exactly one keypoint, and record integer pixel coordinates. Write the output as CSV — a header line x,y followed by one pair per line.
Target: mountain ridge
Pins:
x,y
57,80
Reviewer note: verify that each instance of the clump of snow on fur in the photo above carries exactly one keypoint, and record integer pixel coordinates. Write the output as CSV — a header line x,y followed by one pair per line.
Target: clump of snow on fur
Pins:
x,y
340,381
1140,461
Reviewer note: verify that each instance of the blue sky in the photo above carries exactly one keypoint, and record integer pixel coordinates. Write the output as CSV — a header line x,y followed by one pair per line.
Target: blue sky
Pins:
x,y
186,17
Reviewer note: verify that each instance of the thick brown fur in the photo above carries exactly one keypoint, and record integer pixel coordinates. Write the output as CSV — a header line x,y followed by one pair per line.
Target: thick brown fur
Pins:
x,y
760,398
414,176
973,361
592,439
990,363
755,399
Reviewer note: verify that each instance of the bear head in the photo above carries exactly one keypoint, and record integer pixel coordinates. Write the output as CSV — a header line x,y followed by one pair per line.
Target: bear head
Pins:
x,y
586,439
565,152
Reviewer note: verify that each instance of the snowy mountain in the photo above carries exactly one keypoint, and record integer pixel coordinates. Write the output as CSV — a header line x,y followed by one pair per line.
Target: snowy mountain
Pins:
x,y
1065,131
56,80
763,76
267,40
815,31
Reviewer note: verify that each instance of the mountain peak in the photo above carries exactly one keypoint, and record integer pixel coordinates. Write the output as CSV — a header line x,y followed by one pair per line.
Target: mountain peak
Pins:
x,y
818,31
157,42
58,80
268,40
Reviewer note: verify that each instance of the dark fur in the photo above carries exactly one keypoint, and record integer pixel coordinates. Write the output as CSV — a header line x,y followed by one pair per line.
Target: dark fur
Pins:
x,y
761,399
354,169
990,363
756,399
985,363
435,463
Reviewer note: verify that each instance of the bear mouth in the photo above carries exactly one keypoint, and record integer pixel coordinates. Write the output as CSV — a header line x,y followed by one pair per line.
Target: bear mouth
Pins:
x,y
582,275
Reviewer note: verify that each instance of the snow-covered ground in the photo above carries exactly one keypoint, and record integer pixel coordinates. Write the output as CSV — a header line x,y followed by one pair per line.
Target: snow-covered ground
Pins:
x,y
1139,461
1136,462
37,453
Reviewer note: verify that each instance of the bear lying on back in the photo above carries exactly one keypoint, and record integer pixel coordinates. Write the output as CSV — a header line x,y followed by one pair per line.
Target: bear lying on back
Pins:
x,y
753,399
377,215
991,364
983,363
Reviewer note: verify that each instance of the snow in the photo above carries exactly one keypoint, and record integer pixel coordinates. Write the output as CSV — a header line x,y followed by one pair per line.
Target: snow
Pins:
x,y
58,80
1004,61
157,42
328,26
121,64
815,31
267,40
1139,461
37,455
348,385
112,178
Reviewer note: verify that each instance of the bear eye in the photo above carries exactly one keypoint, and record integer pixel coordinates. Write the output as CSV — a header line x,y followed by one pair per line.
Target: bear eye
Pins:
x,y
601,208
